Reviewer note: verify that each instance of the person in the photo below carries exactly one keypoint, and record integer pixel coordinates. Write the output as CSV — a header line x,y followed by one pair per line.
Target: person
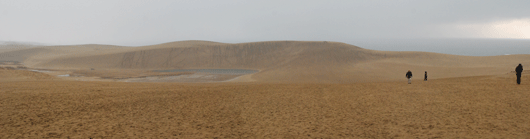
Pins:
x,y
519,69
425,79
409,75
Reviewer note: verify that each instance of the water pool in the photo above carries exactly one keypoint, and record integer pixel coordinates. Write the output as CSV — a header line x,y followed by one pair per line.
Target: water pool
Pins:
x,y
214,71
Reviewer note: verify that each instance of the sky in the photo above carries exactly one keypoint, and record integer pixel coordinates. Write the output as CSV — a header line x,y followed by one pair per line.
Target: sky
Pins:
x,y
143,22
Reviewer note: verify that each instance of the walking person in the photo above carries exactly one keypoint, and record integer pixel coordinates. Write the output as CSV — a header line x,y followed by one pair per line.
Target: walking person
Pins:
x,y
519,69
409,75
425,79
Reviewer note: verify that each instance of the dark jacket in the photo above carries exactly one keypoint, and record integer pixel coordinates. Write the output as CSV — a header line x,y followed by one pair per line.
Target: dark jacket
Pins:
x,y
409,74
519,69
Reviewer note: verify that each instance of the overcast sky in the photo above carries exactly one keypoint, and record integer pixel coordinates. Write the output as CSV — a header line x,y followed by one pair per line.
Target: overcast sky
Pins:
x,y
143,22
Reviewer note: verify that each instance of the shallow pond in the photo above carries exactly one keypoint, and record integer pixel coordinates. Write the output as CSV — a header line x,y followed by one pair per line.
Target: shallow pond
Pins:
x,y
214,71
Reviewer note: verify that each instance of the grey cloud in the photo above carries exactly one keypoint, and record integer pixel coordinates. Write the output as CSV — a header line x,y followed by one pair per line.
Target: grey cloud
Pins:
x,y
136,22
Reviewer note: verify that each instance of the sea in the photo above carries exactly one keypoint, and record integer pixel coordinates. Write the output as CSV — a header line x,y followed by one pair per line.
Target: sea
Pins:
x,y
466,47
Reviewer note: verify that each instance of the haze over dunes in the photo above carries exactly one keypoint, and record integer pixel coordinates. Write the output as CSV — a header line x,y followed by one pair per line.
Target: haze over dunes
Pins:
x,y
277,61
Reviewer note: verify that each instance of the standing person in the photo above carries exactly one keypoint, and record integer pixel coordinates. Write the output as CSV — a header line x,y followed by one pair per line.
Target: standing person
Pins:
x,y
425,79
519,69
409,75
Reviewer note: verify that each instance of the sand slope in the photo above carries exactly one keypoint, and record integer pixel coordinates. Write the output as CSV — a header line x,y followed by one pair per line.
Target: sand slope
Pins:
x,y
7,74
34,55
278,61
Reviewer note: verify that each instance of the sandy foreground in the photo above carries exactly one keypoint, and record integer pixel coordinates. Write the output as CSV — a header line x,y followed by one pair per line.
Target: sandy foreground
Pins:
x,y
465,107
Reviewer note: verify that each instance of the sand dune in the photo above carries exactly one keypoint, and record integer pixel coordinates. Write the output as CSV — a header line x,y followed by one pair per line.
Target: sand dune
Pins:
x,y
302,90
7,74
32,55
278,61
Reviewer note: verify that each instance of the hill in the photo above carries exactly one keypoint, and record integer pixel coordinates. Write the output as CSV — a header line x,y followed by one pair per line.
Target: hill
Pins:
x,y
277,61
38,54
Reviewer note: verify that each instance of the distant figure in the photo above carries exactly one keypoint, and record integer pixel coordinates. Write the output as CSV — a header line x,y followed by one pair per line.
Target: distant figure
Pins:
x,y
409,75
519,69
425,79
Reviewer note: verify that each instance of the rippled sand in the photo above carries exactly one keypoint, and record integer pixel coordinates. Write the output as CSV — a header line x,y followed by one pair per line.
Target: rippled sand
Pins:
x,y
467,107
